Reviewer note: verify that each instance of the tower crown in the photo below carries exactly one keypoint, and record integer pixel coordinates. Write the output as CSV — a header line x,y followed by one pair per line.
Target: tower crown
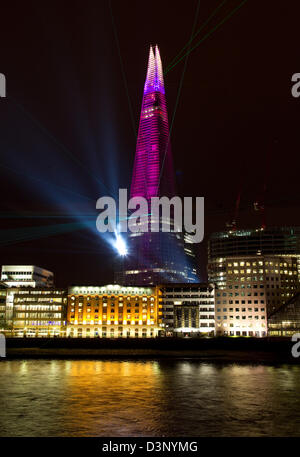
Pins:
x,y
153,173
154,80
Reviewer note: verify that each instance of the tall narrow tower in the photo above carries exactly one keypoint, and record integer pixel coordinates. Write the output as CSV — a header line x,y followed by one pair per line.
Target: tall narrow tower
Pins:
x,y
153,173
155,258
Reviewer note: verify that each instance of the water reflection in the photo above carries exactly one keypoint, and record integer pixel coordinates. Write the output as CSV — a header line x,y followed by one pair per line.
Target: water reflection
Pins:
x,y
147,398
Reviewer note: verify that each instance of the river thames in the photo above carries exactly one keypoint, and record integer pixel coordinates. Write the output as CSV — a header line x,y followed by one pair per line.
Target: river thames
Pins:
x,y
147,398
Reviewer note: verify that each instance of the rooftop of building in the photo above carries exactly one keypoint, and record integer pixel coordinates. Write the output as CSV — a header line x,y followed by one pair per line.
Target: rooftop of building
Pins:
x,y
110,288
270,231
14,268
36,290
188,285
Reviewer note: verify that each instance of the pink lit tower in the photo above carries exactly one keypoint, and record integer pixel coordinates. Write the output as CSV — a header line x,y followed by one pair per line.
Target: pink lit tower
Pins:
x,y
155,258
153,173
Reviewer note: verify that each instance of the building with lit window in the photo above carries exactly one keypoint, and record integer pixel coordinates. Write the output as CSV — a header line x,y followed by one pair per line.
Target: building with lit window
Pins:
x,y
26,276
113,311
155,257
285,321
255,272
187,309
3,292
190,252
36,312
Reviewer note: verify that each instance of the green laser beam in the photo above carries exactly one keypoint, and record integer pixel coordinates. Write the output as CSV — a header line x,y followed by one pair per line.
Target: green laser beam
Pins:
x,y
209,33
122,68
29,215
11,236
178,94
58,143
196,34
47,182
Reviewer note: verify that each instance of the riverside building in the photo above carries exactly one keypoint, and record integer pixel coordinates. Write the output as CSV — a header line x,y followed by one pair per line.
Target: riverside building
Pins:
x,y
26,276
113,311
187,309
34,312
255,272
285,321
3,289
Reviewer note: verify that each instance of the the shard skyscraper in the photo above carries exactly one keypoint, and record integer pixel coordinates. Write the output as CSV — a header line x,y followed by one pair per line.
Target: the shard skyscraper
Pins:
x,y
155,258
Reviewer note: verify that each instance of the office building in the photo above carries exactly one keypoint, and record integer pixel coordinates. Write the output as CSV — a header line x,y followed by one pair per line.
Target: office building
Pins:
x,y
34,312
3,292
187,309
285,321
26,276
255,272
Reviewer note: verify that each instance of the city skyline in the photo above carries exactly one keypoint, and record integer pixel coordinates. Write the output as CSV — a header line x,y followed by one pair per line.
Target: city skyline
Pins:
x,y
149,225
76,111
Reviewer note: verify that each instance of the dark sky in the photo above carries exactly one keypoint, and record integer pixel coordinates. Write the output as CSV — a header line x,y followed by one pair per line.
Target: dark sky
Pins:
x,y
66,132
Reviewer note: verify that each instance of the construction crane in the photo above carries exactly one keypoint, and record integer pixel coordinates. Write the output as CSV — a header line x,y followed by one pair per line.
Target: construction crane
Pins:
x,y
232,225
259,204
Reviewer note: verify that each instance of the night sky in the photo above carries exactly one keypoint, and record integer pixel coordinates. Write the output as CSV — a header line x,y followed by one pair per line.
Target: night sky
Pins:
x,y
75,73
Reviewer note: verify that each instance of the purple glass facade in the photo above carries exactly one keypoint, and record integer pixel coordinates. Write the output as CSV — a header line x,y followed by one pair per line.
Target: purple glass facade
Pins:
x,y
153,150
155,258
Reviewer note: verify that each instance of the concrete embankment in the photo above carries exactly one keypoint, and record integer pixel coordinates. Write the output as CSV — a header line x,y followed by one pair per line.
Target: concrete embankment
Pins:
x,y
222,350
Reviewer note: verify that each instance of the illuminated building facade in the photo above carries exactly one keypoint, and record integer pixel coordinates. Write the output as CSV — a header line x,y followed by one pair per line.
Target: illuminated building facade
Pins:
x,y
113,311
155,258
255,272
153,145
190,252
3,289
37,312
187,309
241,308
26,276
285,321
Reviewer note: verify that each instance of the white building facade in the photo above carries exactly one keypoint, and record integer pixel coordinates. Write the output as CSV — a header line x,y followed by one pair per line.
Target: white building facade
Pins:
x,y
187,309
26,276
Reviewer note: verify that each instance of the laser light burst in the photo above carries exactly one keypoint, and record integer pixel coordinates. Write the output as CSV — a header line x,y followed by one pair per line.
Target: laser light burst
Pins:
x,y
120,245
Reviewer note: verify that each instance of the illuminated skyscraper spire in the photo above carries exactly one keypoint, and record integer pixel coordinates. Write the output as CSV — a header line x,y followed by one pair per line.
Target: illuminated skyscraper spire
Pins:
x,y
153,167
149,83
154,80
159,71
154,258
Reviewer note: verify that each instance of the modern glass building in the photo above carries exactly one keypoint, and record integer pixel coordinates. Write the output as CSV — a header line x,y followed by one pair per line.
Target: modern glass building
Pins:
x,y
286,320
187,309
160,257
270,241
255,271
36,312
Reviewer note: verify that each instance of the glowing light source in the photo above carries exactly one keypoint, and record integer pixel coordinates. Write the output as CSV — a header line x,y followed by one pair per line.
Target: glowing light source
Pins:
x,y
120,245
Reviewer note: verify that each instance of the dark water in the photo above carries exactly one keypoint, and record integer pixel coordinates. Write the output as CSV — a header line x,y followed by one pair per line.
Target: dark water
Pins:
x,y
150,398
